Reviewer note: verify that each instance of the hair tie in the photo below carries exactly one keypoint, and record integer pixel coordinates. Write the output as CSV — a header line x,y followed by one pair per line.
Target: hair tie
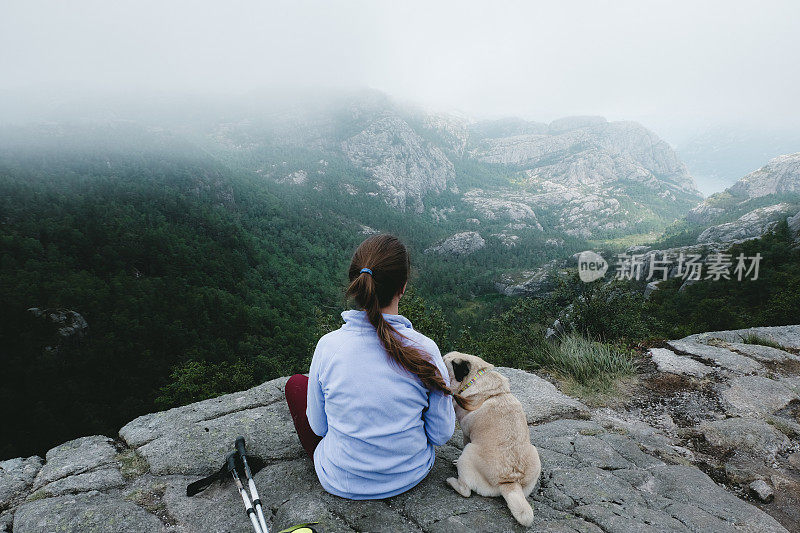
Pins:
x,y
368,271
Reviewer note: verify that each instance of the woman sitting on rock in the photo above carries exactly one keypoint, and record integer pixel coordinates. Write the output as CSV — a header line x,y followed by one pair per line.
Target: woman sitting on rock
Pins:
x,y
375,402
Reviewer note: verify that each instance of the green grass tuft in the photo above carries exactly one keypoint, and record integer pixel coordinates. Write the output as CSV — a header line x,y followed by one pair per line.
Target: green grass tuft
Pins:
x,y
587,361
753,338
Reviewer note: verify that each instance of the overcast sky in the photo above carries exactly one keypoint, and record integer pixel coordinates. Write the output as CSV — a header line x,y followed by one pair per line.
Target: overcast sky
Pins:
x,y
667,64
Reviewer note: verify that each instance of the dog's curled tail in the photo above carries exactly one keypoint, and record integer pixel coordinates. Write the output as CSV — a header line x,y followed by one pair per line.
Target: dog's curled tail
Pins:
x,y
519,506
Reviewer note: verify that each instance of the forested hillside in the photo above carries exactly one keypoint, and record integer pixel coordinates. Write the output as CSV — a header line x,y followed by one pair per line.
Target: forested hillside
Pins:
x,y
147,264
195,277
189,278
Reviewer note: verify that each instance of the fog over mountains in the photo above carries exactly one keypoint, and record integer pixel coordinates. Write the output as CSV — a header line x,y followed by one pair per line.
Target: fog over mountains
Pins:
x,y
580,176
717,156
508,179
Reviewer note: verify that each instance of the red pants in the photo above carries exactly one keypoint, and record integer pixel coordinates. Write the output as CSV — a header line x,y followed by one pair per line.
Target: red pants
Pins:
x,y
296,395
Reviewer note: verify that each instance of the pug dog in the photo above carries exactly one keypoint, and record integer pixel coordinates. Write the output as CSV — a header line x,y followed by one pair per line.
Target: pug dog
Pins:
x,y
498,457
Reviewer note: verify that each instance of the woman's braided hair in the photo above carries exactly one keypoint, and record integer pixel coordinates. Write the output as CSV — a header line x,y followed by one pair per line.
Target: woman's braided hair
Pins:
x,y
378,272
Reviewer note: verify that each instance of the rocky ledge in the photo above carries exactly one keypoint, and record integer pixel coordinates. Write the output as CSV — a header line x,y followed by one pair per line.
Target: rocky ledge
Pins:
x,y
707,439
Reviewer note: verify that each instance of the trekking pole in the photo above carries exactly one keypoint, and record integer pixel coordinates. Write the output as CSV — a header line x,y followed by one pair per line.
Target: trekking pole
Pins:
x,y
252,484
231,461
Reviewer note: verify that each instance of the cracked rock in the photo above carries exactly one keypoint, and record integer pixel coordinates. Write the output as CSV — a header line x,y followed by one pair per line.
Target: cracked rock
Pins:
x,y
16,478
91,511
195,438
83,464
669,361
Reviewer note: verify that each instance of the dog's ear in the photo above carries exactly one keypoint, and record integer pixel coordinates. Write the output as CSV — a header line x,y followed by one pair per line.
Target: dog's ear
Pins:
x,y
460,369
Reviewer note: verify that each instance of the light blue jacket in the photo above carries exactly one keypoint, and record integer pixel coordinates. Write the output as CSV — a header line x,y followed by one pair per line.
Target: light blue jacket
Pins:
x,y
378,422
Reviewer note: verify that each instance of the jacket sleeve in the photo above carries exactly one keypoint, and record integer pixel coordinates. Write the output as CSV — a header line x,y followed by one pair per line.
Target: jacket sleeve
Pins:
x,y
315,406
439,417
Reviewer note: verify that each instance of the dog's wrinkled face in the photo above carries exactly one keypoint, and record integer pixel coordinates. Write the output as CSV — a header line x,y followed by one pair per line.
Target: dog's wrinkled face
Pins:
x,y
461,366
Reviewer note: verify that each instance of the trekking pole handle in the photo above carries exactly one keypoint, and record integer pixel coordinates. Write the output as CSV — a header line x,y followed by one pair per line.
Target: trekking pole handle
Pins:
x,y
240,448
231,462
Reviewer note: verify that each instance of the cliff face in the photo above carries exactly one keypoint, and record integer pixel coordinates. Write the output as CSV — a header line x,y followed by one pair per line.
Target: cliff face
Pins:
x,y
594,176
780,175
710,403
752,205
580,151
404,166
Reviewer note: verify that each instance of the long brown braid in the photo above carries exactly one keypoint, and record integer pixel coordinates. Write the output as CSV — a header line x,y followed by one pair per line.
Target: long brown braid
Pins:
x,y
387,259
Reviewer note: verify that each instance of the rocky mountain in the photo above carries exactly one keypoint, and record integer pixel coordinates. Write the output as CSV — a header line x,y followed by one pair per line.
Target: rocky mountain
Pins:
x,y
515,184
537,282
712,241
581,175
404,166
593,174
572,148
708,442
720,155
752,205
459,244
780,176
750,208
751,225
506,183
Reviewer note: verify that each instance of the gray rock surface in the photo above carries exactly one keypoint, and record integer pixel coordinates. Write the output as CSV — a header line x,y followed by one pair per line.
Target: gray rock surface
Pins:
x,y
68,323
538,282
633,467
704,213
794,224
763,354
463,243
749,435
619,488
540,398
193,438
756,394
668,361
579,169
746,429
453,128
92,511
762,491
75,465
218,508
751,225
645,154
716,355
403,165
16,478
786,336
780,176
102,478
498,208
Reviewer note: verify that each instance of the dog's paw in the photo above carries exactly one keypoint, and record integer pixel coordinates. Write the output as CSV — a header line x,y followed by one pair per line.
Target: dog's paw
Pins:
x,y
459,487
